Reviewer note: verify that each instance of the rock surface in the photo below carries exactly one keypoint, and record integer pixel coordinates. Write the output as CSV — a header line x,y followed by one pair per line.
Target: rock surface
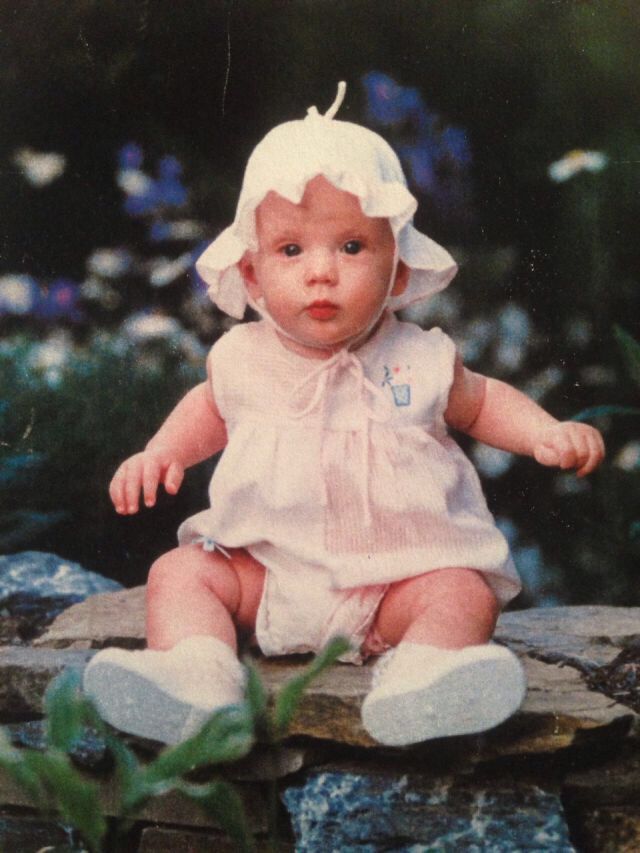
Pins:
x,y
562,774
45,574
350,811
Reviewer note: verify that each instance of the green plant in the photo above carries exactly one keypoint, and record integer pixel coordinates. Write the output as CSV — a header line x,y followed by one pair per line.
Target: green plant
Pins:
x,y
56,786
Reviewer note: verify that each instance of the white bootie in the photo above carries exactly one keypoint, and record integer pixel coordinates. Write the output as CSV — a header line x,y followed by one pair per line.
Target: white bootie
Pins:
x,y
164,696
422,692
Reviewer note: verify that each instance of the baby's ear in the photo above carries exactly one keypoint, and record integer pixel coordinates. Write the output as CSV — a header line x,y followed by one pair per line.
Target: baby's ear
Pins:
x,y
402,279
248,273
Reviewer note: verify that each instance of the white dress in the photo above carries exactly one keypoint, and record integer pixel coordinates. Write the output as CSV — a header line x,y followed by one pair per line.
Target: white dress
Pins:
x,y
341,472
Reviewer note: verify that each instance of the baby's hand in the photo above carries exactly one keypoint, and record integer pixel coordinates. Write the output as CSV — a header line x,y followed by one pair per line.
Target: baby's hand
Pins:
x,y
570,445
144,471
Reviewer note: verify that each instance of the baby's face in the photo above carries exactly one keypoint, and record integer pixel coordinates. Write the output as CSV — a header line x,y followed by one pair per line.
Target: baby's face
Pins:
x,y
322,268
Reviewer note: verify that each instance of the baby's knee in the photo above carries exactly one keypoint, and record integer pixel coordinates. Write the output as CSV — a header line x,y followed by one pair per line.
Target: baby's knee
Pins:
x,y
463,590
189,569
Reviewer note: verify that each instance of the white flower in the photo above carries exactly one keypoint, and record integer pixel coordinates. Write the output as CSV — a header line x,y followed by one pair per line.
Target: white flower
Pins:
x,y
629,457
490,461
133,181
18,294
39,168
577,161
51,357
540,385
164,270
109,263
148,327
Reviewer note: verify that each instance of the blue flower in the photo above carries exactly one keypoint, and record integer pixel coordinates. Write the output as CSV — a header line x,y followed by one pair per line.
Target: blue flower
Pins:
x,y
59,301
130,156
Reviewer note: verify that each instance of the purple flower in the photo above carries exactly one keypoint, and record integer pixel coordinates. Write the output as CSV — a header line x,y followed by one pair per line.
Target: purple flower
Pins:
x,y
130,156
59,301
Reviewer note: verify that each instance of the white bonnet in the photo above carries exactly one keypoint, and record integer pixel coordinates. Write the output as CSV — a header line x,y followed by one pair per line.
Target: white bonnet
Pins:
x,y
353,159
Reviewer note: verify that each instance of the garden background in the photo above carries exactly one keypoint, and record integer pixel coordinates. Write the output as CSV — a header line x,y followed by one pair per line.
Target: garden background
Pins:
x,y
125,128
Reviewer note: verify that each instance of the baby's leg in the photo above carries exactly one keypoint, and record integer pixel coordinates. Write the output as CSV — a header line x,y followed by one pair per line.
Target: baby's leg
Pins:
x,y
190,669
444,678
193,592
447,608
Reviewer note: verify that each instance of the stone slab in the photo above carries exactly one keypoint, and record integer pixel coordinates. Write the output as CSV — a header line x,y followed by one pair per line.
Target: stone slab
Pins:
x,y
25,673
156,839
171,808
586,636
106,619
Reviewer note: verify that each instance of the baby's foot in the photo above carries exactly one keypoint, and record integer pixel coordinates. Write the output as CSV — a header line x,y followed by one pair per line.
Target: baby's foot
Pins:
x,y
164,696
422,692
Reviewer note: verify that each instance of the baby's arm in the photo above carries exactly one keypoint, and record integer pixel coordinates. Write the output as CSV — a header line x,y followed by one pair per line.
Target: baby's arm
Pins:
x,y
193,431
496,414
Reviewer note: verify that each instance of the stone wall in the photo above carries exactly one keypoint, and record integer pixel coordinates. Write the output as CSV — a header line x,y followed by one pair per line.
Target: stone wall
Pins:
x,y
563,774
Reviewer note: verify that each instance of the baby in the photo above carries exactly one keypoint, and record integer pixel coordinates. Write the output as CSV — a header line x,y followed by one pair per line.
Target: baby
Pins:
x,y
341,505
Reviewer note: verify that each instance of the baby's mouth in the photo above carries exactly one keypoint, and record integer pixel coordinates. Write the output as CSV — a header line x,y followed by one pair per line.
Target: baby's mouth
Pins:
x,y
322,309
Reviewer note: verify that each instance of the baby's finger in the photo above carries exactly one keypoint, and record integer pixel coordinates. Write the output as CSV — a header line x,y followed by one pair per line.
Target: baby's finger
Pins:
x,y
173,478
595,455
116,490
150,479
132,485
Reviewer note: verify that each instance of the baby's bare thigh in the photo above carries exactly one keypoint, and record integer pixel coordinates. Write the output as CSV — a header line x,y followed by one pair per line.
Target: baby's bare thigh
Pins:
x,y
190,574
251,576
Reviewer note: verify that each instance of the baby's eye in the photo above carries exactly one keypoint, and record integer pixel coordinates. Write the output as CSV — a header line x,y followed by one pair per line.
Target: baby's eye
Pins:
x,y
291,250
352,247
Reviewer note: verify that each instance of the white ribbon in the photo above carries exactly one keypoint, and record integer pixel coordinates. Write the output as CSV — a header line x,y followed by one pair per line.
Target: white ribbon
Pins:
x,y
369,401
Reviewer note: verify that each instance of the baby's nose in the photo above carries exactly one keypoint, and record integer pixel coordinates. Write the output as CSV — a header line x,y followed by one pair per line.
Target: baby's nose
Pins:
x,y
321,267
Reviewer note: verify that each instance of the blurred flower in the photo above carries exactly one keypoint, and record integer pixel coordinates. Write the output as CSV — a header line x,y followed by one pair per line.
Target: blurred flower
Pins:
x,y
514,330
109,263
146,195
163,271
628,459
568,484
577,161
579,331
144,326
19,294
435,154
95,290
50,357
539,385
38,167
186,229
490,461
59,301
476,337
389,103
169,186
130,156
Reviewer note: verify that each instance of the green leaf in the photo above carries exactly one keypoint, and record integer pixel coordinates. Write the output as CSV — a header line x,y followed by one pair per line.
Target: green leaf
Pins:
x,y
257,701
12,760
291,694
221,801
65,711
134,792
72,795
604,411
630,349
226,736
